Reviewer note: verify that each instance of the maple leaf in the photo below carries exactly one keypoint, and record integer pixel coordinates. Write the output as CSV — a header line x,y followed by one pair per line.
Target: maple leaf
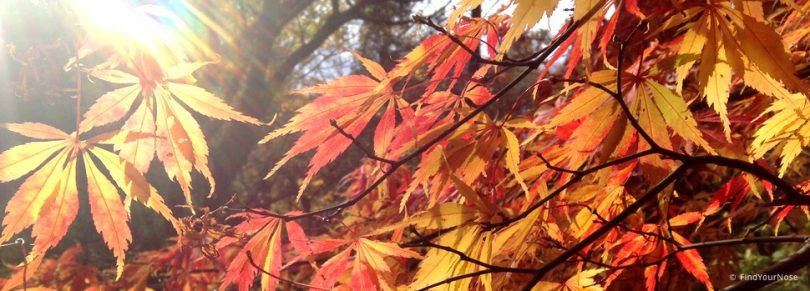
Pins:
x,y
48,199
787,128
736,188
526,15
134,184
472,196
109,215
138,146
513,157
158,93
462,7
692,262
444,59
442,216
369,267
725,39
513,237
587,100
655,106
632,248
464,155
264,247
589,13
440,264
653,275
586,34
356,94
676,113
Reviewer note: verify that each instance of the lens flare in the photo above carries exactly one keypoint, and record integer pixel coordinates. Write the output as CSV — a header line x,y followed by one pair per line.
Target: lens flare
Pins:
x,y
128,30
114,22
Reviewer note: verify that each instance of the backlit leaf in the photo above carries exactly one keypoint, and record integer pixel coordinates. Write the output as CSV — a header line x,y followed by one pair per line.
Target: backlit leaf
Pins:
x,y
202,101
110,107
22,159
24,207
526,15
133,183
676,113
36,130
58,211
513,157
109,215
692,262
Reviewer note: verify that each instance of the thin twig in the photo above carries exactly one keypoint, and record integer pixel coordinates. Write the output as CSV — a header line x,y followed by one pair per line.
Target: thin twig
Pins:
x,y
78,95
553,167
427,21
253,263
460,277
576,178
359,145
632,208
24,253
465,257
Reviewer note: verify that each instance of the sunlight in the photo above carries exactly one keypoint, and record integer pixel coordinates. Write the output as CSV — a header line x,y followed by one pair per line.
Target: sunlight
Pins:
x,y
114,22
148,28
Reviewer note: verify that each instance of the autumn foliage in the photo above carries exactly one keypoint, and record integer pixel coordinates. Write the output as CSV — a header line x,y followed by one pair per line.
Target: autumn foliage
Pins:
x,y
643,137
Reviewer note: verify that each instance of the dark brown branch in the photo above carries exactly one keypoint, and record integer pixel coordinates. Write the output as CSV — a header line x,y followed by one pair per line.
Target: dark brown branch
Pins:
x,y
332,23
793,196
632,208
460,43
359,145
598,233
745,240
253,263
460,277
465,257
576,178
553,167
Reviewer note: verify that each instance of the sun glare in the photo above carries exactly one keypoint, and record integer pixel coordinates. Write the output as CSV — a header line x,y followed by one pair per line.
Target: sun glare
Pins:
x,y
152,28
115,23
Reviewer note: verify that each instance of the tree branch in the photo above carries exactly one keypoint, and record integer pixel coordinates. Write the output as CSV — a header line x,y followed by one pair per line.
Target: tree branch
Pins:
x,y
632,208
576,178
359,145
253,263
332,23
465,257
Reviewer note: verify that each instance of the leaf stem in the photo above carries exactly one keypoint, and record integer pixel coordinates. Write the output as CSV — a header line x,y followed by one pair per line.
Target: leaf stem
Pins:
x,y
78,94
